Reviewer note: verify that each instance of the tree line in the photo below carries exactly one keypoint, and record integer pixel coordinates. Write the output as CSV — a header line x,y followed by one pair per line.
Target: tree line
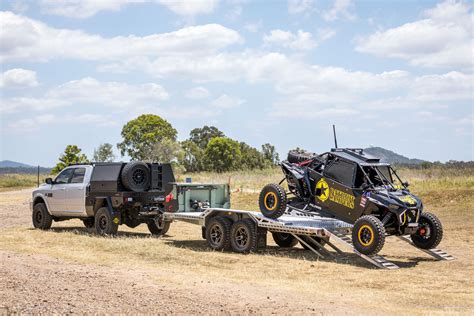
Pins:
x,y
151,138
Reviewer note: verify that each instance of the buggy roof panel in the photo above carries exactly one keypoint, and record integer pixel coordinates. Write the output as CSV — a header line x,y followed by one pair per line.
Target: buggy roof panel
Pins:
x,y
356,155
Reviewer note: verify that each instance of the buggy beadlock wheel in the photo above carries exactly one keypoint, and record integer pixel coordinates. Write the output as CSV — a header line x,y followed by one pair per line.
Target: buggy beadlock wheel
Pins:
x,y
272,201
243,236
368,235
217,233
136,176
104,222
155,230
284,240
88,222
40,216
429,233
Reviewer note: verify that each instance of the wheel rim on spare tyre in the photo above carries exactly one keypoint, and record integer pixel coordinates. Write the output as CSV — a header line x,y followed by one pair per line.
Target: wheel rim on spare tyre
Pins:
x,y
241,237
216,234
366,235
270,201
138,176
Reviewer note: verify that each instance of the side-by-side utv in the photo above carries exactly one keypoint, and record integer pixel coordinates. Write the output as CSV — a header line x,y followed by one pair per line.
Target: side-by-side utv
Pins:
x,y
350,185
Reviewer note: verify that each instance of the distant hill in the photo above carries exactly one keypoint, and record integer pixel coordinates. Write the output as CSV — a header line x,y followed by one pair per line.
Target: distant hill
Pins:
x,y
8,166
13,164
391,157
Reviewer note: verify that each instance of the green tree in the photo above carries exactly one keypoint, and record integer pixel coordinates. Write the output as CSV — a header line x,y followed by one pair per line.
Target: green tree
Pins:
x,y
104,153
140,135
270,154
222,154
72,155
166,150
193,157
252,158
202,136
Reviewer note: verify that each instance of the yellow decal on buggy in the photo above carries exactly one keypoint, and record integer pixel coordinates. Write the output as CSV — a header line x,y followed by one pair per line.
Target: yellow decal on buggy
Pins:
x,y
342,198
408,199
116,220
323,187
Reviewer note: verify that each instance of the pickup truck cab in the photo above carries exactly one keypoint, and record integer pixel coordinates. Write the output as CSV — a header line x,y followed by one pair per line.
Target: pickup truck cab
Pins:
x,y
106,195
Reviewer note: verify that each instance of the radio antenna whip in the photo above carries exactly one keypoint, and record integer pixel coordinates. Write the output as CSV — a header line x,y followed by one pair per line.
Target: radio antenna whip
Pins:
x,y
334,131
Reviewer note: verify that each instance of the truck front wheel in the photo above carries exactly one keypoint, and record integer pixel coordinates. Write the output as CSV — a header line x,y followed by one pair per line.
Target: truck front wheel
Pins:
x,y
41,218
105,223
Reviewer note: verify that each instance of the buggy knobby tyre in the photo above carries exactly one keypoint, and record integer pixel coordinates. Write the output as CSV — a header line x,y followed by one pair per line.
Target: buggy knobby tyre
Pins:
x,y
136,176
284,240
272,201
368,235
217,233
296,157
157,231
105,223
40,216
429,233
243,236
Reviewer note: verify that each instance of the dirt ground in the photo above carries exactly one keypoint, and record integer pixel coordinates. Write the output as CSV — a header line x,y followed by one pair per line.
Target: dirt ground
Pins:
x,y
68,270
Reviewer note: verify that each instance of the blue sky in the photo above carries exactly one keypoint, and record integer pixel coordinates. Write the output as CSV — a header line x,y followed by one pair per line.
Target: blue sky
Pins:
x,y
396,74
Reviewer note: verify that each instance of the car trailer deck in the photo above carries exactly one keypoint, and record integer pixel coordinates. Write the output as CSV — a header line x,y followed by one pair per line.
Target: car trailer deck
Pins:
x,y
311,230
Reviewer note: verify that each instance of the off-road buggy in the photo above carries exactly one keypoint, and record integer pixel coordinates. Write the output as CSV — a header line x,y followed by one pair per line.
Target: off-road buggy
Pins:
x,y
350,185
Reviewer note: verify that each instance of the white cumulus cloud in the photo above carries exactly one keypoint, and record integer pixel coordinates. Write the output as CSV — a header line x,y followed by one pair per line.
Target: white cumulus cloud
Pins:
x,y
27,39
197,93
341,9
17,78
227,102
300,6
444,38
299,41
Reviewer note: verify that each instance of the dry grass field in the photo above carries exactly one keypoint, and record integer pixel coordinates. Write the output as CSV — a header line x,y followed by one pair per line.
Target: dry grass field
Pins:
x,y
68,269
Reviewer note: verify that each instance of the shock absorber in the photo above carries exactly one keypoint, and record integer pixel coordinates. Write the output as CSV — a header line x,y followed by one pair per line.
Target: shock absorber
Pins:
x,y
386,218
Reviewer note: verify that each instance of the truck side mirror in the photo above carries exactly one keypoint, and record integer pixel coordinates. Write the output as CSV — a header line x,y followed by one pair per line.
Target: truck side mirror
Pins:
x,y
48,181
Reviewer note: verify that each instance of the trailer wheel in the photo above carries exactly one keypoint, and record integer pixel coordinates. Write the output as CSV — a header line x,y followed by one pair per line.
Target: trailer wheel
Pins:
x,y
217,233
284,240
104,222
243,236
136,176
429,233
272,201
155,230
88,222
40,216
368,235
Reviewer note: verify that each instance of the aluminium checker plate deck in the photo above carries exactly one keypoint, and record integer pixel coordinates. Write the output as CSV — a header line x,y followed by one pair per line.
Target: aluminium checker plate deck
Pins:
x,y
311,225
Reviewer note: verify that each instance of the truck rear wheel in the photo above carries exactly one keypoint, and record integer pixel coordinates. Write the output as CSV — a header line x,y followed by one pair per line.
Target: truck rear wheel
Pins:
x,y
243,236
429,233
368,235
40,216
155,230
218,233
105,223
284,240
136,176
272,201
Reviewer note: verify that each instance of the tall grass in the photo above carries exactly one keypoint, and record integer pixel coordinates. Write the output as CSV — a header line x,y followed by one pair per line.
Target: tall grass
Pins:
x,y
10,181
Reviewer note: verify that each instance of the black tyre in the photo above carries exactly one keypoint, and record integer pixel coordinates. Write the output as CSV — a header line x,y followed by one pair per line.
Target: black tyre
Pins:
x,y
104,222
295,157
272,201
136,176
40,216
368,235
321,241
88,222
155,230
284,240
218,233
243,236
429,233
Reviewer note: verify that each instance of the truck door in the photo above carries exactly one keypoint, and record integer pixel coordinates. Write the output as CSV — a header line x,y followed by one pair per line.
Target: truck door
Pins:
x,y
76,193
56,198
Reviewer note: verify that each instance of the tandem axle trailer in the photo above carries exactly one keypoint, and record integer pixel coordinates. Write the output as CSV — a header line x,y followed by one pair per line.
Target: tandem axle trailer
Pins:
x,y
246,231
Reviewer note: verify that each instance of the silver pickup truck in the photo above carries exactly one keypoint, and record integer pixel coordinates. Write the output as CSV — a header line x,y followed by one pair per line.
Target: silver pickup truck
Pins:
x,y
106,195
